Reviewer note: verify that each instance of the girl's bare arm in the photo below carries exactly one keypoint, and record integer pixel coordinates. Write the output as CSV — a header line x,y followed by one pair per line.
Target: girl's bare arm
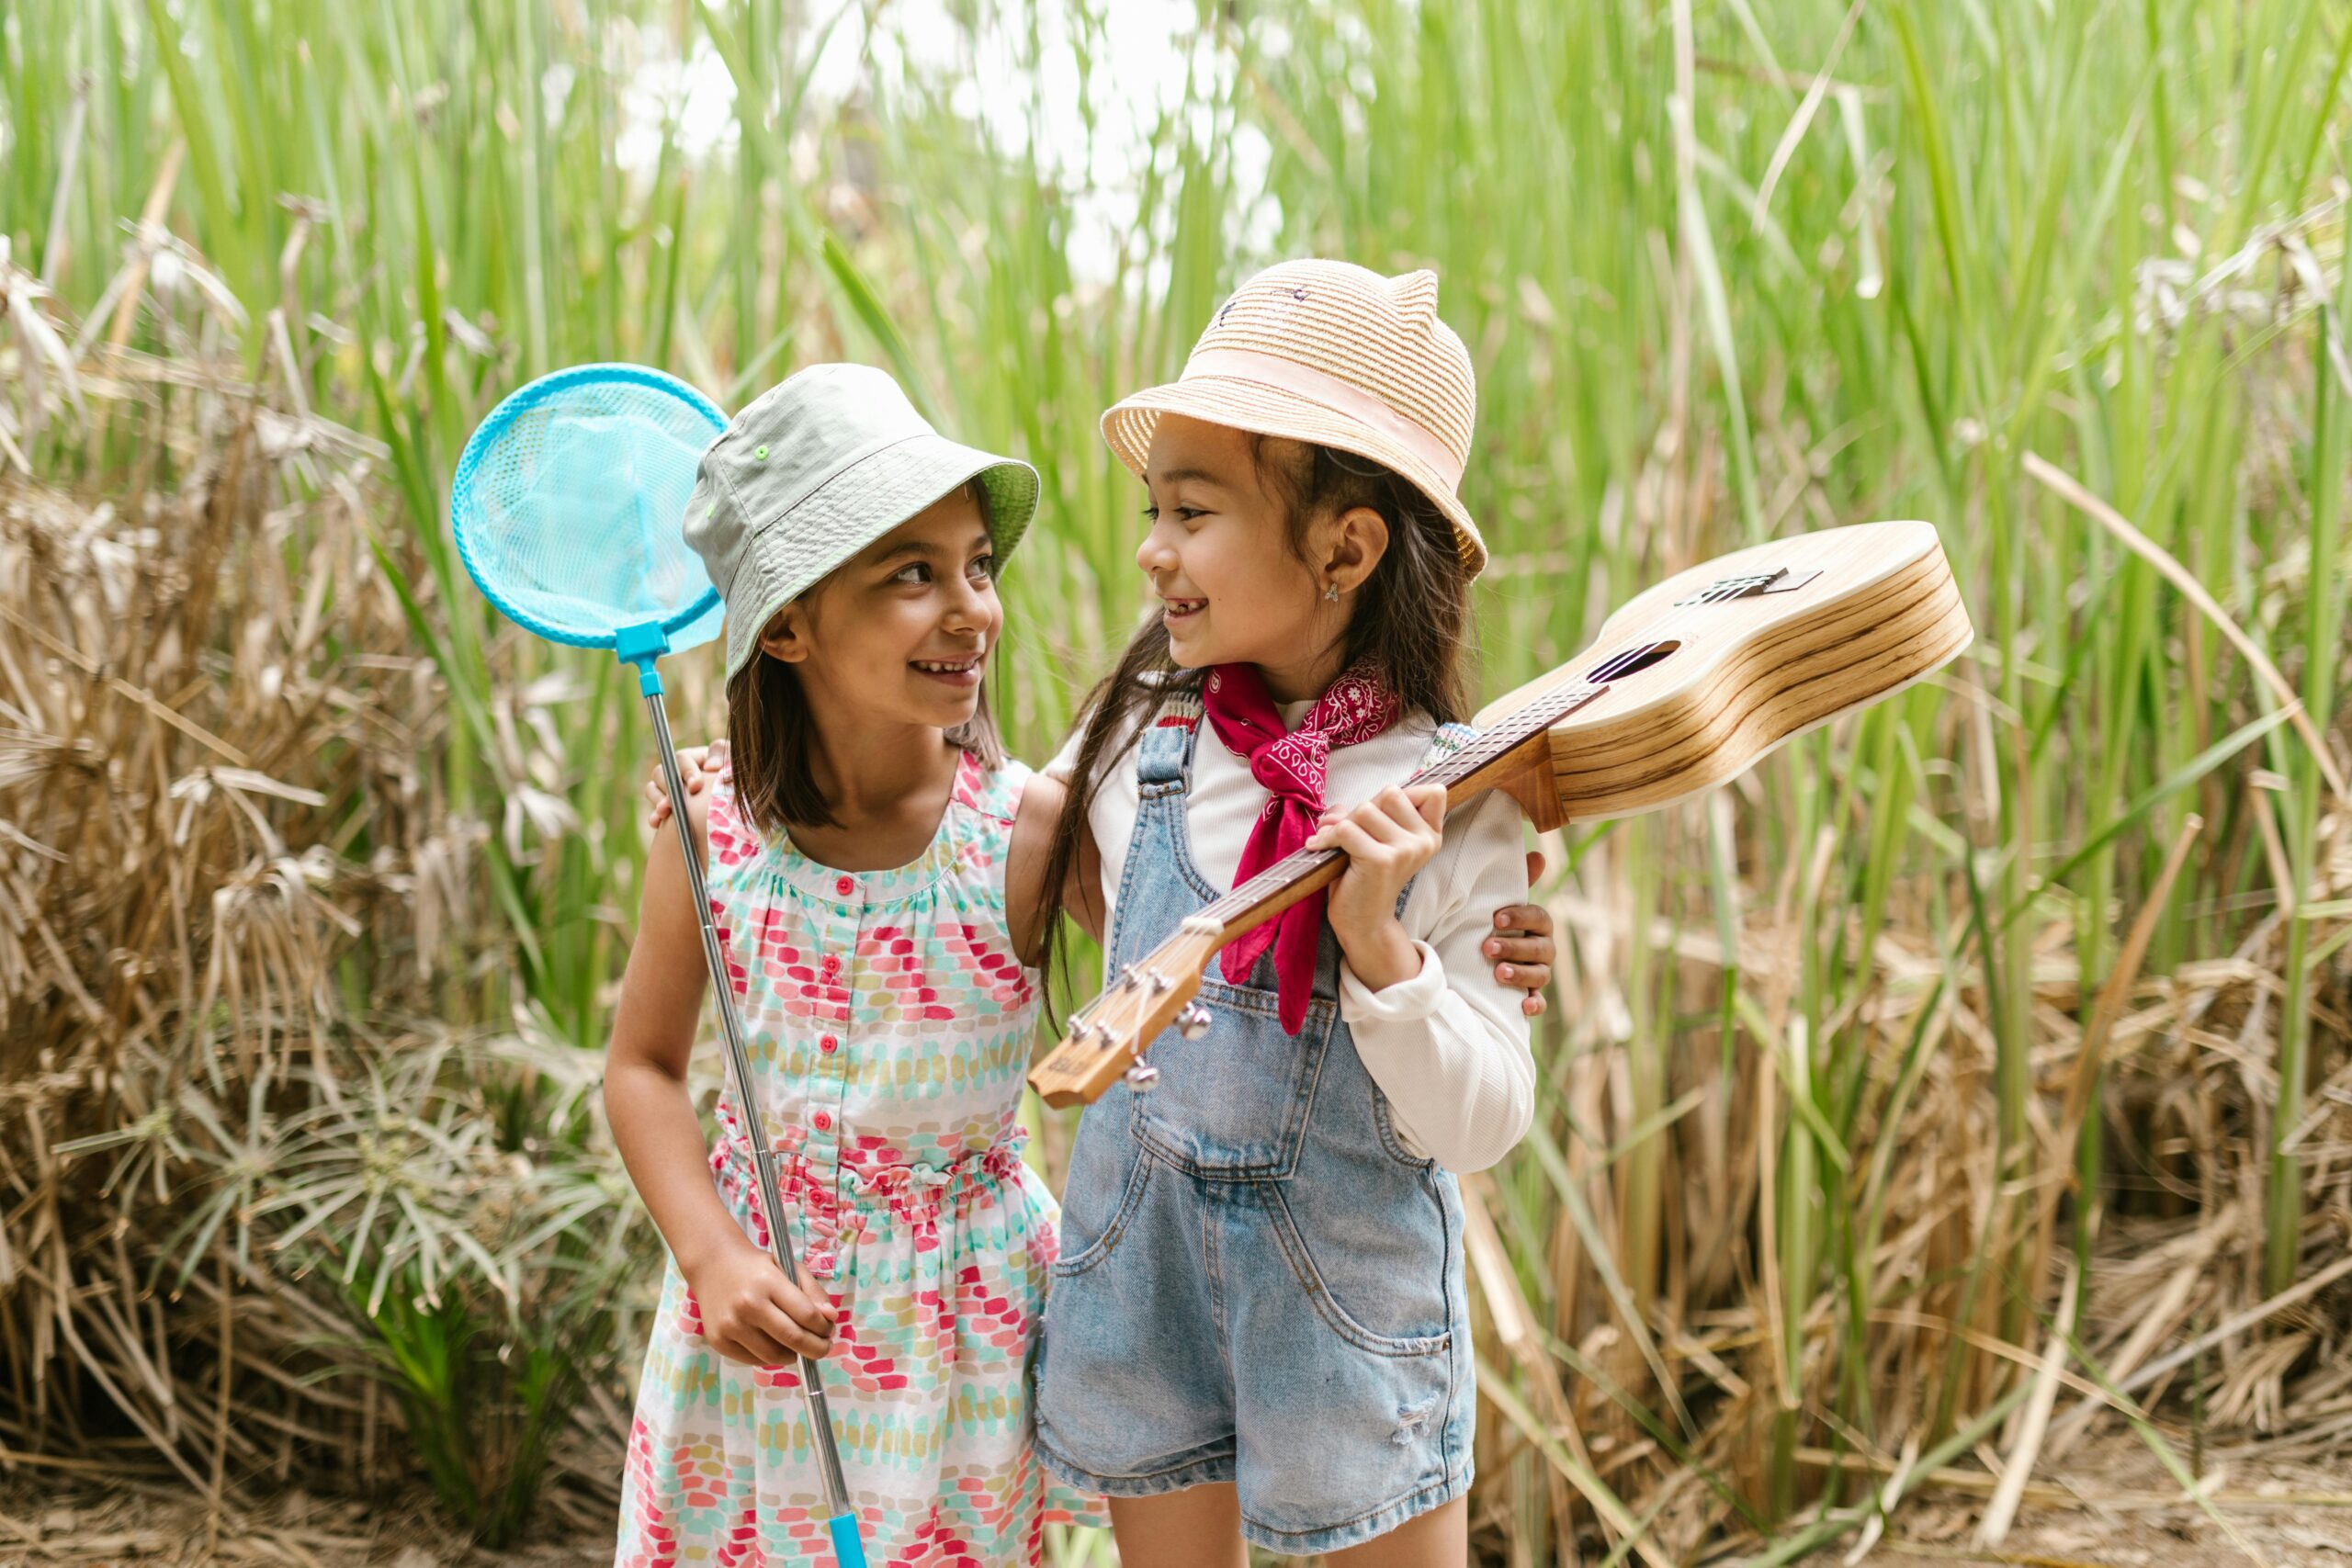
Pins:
x,y
1024,872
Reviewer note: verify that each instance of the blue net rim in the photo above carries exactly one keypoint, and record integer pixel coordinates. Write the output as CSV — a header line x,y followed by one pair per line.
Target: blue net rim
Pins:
x,y
522,400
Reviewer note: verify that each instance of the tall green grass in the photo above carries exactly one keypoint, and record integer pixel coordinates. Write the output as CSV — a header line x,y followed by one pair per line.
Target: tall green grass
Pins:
x,y
1727,272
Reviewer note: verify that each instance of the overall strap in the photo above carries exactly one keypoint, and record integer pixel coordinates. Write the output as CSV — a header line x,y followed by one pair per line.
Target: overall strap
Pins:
x,y
1164,754
1449,740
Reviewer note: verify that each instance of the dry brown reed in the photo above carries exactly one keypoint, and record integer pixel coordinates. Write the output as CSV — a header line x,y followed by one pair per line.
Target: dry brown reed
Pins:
x,y
261,1216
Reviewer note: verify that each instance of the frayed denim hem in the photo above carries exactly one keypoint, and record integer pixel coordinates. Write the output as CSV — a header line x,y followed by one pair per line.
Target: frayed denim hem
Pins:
x,y
1215,1462
1383,1518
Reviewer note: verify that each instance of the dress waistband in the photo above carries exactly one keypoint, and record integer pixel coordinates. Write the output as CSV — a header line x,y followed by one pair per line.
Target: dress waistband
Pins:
x,y
833,1207
904,1184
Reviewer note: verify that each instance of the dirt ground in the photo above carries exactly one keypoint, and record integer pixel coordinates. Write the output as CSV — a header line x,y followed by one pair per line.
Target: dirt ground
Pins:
x,y
2113,1505
48,1518
2110,1505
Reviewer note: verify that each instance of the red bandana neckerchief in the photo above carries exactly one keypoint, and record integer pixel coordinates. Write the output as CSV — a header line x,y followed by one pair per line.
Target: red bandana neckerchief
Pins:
x,y
1292,765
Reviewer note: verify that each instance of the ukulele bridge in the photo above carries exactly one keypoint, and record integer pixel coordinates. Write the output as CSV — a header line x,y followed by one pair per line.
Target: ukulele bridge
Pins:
x,y
1724,590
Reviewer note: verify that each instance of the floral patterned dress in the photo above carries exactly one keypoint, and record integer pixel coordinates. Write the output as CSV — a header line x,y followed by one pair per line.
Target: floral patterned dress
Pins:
x,y
889,1022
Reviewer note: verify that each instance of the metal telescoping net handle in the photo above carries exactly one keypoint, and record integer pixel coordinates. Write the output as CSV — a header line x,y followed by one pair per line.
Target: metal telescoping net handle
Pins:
x,y
565,507
738,1061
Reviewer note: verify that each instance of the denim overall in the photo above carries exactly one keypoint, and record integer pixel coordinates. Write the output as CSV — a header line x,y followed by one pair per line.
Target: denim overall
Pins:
x,y
1258,1283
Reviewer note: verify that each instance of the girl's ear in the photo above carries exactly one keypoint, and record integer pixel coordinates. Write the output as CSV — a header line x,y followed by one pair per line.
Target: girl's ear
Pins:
x,y
786,636
1354,542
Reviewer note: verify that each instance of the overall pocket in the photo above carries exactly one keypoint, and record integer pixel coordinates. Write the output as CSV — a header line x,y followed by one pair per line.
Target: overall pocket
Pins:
x,y
1094,1216
1382,1286
1234,1103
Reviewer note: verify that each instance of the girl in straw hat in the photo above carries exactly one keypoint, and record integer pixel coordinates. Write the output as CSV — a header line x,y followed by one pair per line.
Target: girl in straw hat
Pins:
x,y
1258,1329
878,866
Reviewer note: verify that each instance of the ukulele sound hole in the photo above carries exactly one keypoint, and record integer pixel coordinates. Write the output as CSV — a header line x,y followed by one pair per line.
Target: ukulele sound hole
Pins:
x,y
1633,661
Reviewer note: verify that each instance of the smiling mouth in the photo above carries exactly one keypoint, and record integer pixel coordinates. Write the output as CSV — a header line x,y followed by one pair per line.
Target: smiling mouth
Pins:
x,y
1181,609
958,671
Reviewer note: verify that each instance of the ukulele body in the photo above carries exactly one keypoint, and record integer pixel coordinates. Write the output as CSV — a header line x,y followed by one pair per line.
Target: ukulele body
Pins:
x,y
1713,688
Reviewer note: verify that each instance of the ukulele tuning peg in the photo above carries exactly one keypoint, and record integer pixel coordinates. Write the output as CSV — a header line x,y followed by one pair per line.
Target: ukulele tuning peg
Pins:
x,y
1127,977
1193,1021
1141,1076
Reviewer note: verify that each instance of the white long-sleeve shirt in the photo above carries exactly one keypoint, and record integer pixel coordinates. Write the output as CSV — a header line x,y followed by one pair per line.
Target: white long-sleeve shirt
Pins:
x,y
1448,1047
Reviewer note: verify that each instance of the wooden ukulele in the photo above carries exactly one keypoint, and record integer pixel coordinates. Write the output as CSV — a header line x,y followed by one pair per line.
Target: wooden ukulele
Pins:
x,y
1690,683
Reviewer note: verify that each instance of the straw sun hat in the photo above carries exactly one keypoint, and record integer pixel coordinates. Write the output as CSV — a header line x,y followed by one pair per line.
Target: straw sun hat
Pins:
x,y
1327,351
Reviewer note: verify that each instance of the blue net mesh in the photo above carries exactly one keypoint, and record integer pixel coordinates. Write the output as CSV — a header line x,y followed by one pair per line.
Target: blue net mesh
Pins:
x,y
569,501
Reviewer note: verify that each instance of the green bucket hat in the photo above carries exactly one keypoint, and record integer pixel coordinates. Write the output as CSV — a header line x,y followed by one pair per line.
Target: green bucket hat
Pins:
x,y
819,466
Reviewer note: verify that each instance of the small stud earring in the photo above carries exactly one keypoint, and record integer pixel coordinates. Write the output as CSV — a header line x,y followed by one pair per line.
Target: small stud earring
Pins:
x,y
1330,593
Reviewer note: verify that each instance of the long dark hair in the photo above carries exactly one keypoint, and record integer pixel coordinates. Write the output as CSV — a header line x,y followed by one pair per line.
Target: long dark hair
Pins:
x,y
770,732
1412,623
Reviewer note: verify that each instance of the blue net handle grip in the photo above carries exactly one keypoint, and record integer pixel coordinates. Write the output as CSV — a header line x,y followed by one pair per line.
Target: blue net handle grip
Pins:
x,y
848,1550
641,645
